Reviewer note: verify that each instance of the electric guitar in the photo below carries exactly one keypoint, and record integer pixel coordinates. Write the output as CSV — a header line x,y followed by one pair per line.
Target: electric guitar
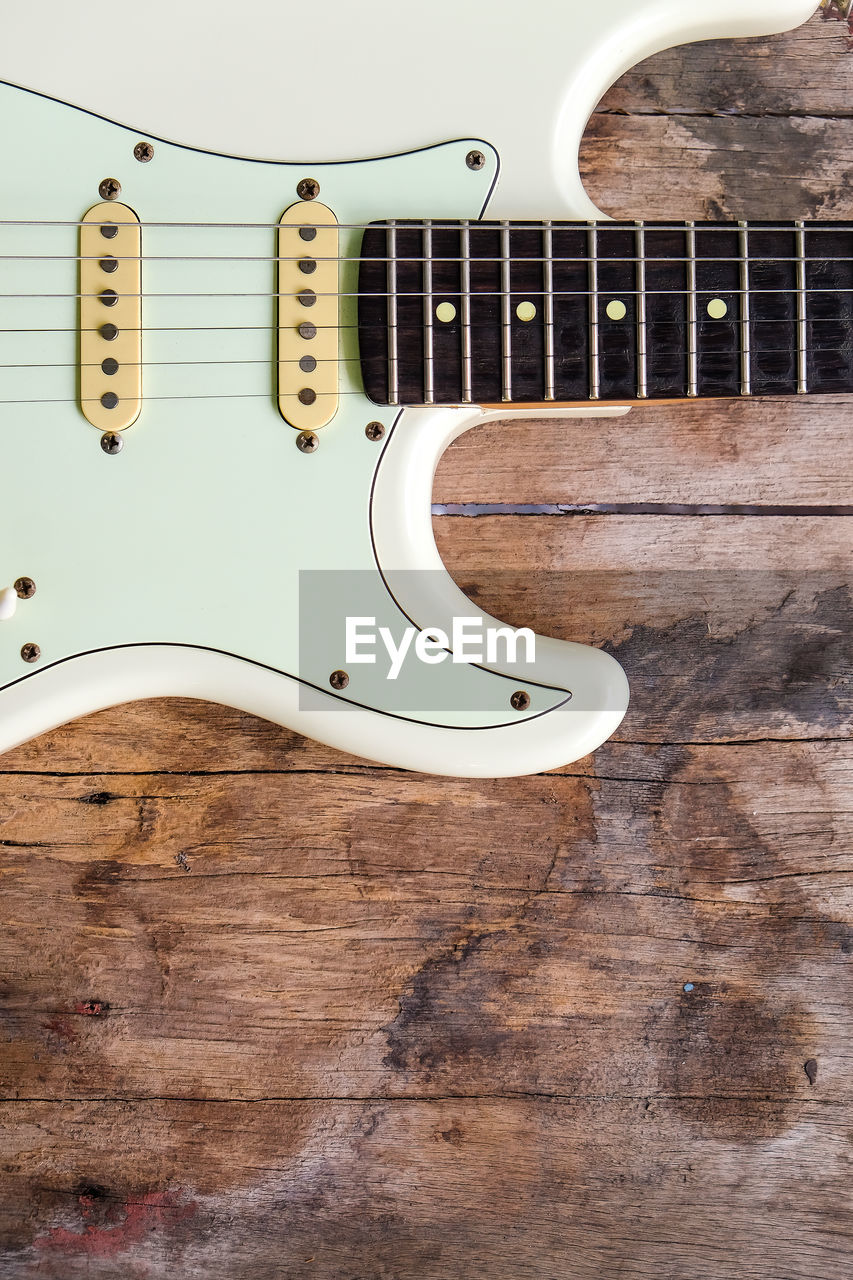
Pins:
x,y
225,383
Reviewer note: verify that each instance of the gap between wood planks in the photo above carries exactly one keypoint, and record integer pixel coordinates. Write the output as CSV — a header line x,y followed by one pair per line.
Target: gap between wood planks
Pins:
x,y
631,509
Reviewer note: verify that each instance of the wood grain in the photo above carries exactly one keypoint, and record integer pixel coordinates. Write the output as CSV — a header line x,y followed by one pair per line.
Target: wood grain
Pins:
x,y
268,1011
768,453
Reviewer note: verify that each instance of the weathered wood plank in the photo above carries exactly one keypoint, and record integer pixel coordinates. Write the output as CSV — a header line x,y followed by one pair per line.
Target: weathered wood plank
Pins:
x,y
806,72
718,167
443,1189
763,452
276,1011
264,936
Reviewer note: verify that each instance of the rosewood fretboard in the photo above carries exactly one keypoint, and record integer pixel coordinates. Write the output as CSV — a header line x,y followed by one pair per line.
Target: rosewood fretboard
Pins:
x,y
454,313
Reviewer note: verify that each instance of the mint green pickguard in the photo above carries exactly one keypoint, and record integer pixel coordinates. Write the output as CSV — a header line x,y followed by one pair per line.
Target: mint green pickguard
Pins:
x,y
196,532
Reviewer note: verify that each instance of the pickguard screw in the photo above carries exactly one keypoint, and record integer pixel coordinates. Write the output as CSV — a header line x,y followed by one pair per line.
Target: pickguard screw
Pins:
x,y
520,700
111,443
25,588
109,189
308,189
143,152
307,442
475,160
30,652
374,430
339,679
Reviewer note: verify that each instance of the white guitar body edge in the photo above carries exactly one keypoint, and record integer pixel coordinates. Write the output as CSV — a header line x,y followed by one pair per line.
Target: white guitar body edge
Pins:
x,y
558,106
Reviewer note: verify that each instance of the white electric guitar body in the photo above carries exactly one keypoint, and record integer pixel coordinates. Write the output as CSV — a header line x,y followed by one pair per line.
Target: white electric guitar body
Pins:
x,y
215,543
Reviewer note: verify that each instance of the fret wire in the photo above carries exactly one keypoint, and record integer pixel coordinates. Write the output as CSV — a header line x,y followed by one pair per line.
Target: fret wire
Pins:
x,y
745,345
802,311
429,363
693,315
642,354
548,272
594,369
467,361
506,304
391,281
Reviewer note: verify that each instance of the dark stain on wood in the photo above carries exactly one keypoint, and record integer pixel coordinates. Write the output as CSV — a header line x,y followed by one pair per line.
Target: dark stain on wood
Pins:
x,y
792,660
735,1066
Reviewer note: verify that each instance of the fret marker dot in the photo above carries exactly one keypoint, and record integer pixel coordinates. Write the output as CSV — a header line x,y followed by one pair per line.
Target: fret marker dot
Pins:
x,y
717,309
616,310
445,312
525,311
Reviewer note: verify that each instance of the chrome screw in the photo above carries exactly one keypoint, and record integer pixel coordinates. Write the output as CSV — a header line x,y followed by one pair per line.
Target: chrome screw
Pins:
x,y
307,442
30,652
339,679
143,152
374,430
520,700
475,160
308,189
25,588
109,188
111,443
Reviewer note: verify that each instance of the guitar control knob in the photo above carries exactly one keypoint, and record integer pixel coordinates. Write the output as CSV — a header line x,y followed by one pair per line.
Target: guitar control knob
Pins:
x,y
8,602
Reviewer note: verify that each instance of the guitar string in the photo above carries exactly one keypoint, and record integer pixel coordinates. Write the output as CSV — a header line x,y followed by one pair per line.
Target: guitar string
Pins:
x,y
618,398
754,261
402,294
519,361
402,260
474,224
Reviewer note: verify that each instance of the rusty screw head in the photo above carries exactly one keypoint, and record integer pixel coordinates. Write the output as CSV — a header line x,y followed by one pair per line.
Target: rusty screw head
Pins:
x,y
30,652
307,442
374,430
520,700
111,443
308,189
143,152
339,680
25,588
109,189
475,160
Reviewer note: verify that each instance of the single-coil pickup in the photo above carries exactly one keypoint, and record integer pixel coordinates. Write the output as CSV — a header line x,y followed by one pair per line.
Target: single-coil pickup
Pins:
x,y
308,316
110,316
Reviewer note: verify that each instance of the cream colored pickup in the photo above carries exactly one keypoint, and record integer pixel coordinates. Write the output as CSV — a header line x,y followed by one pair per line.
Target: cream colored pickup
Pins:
x,y
308,316
110,316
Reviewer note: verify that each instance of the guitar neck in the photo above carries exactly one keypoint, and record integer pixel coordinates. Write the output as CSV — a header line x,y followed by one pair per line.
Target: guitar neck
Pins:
x,y
554,312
